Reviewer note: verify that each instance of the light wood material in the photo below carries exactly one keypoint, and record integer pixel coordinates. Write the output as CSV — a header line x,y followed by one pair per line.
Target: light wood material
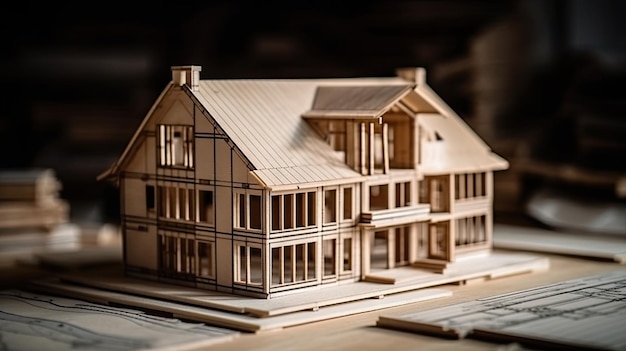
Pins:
x,y
358,332
250,140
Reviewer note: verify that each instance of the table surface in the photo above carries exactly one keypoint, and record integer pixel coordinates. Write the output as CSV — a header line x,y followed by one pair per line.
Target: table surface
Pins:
x,y
359,331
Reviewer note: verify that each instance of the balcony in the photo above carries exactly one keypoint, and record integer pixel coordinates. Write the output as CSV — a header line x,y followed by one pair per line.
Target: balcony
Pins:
x,y
395,216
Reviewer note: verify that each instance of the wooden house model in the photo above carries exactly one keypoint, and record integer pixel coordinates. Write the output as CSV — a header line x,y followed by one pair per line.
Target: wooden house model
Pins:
x,y
268,187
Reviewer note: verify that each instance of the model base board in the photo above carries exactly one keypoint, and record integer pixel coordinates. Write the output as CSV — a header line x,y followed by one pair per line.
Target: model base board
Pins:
x,y
254,315
584,313
611,247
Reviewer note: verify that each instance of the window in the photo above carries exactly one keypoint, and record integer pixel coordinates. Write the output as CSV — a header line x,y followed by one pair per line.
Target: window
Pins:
x,y
330,206
293,263
289,207
437,190
347,203
206,259
379,250
379,197
470,230
403,194
422,239
248,264
347,255
206,207
177,253
248,211
150,198
175,145
176,203
255,212
301,210
277,210
329,252
469,185
402,246
291,211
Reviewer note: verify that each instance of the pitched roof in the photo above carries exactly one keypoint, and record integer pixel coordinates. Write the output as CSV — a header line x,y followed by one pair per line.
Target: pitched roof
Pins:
x,y
457,151
263,119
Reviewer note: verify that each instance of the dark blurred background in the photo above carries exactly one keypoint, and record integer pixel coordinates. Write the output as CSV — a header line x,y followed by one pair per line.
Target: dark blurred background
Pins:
x,y
541,81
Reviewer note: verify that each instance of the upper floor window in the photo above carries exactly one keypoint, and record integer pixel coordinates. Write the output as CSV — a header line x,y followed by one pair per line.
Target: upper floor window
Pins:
x,y
175,146
294,210
469,185
247,210
330,206
176,203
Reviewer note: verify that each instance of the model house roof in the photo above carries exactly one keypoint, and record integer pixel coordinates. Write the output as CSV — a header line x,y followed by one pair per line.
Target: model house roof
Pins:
x,y
355,101
264,120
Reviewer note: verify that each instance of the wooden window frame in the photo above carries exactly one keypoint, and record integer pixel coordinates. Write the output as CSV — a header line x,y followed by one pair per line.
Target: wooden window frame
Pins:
x,y
175,202
244,209
238,277
167,148
287,256
285,209
211,259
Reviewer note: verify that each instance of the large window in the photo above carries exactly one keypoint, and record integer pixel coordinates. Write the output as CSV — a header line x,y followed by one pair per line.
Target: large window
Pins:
x,y
293,263
176,203
248,261
469,185
175,145
248,210
470,231
177,253
291,211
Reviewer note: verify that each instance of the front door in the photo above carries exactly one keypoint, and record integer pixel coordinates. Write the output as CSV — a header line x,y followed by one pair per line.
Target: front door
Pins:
x,y
438,241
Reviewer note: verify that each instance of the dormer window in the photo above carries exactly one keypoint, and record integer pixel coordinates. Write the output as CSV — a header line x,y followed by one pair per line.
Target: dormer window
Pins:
x,y
175,146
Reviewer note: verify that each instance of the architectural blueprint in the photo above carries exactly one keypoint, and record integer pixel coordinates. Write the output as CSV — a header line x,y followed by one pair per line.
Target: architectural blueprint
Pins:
x,y
584,313
39,322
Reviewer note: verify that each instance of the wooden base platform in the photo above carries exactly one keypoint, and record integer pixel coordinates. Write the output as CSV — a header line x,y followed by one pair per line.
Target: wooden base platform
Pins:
x,y
255,315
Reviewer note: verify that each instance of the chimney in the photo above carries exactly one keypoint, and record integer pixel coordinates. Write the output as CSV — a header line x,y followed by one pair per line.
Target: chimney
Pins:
x,y
189,75
415,75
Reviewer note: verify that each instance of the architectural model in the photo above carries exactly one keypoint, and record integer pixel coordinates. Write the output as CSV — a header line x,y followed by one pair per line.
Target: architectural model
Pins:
x,y
580,314
268,187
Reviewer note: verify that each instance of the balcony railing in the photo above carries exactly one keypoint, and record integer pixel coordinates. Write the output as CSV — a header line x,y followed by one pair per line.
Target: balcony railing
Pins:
x,y
395,216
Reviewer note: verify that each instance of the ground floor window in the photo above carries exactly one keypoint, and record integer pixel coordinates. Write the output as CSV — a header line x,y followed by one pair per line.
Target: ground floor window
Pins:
x,y
294,263
248,260
348,256
470,230
206,259
329,252
180,253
